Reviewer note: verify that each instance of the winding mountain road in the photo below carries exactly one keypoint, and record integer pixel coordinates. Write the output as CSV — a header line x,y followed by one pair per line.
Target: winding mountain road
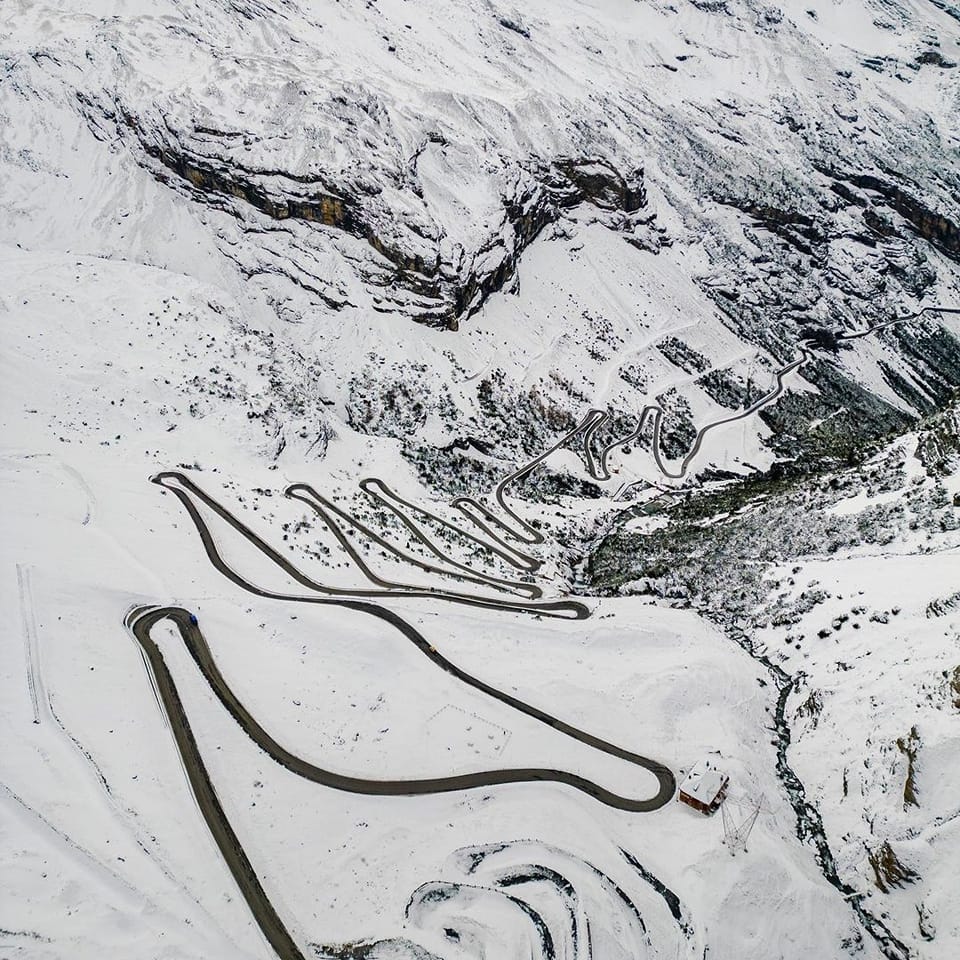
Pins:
x,y
141,620
187,492
500,536
806,352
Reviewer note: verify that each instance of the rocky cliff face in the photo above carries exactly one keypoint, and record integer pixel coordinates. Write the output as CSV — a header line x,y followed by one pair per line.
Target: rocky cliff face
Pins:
x,y
445,291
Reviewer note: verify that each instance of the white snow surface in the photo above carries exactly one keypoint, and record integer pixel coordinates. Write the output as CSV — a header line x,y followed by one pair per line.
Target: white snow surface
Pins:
x,y
144,330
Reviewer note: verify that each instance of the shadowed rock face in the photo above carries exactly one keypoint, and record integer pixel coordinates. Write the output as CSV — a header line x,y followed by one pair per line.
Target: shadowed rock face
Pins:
x,y
318,207
449,286
933,226
447,161
454,290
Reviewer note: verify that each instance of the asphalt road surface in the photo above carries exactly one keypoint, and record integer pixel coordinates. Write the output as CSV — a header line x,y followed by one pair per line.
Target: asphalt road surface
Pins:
x,y
140,622
503,535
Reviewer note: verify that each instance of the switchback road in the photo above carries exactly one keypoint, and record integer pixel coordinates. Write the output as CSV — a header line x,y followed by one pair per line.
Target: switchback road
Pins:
x,y
141,620
501,536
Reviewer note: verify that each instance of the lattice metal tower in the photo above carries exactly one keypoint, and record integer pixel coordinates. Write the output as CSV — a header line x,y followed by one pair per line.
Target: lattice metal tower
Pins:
x,y
737,831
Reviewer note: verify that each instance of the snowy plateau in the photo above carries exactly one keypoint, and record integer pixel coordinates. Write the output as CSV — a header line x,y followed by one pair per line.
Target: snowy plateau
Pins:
x,y
431,429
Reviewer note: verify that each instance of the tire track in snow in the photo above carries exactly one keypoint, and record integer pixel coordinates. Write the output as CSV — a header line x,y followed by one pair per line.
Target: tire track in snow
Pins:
x,y
30,648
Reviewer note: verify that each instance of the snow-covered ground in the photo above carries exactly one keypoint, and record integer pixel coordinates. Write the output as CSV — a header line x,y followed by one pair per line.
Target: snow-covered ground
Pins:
x,y
98,804
549,208
877,652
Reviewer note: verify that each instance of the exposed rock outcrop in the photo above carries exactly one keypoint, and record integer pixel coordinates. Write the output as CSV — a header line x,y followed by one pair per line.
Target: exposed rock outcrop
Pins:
x,y
448,285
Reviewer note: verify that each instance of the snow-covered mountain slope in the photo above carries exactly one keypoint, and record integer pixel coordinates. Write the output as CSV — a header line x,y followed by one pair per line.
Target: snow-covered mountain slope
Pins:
x,y
845,586
739,169
394,250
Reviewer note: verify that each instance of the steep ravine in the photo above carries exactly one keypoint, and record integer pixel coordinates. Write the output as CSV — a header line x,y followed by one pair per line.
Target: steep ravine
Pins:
x,y
809,825
778,518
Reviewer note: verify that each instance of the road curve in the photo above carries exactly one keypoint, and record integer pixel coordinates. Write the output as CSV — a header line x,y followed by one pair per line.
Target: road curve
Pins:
x,y
523,531
379,492
141,620
185,490
657,414
805,354
663,774
327,510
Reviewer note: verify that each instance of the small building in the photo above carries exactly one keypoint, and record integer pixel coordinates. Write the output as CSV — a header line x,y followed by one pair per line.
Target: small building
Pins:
x,y
704,787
